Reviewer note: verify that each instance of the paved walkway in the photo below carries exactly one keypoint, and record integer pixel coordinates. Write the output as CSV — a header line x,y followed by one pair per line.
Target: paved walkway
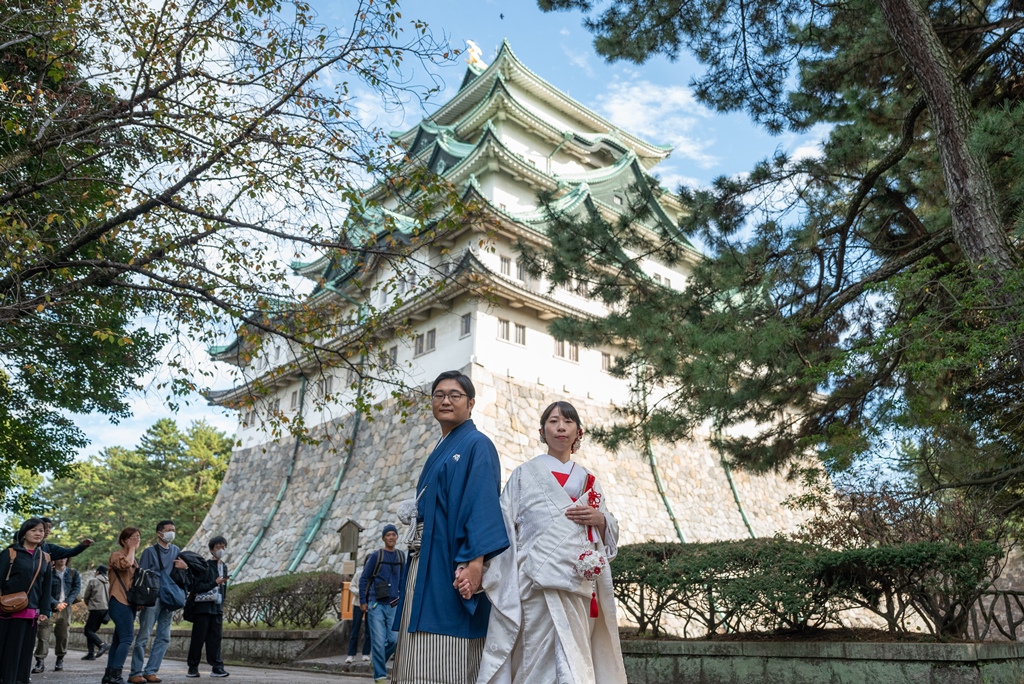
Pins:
x,y
78,671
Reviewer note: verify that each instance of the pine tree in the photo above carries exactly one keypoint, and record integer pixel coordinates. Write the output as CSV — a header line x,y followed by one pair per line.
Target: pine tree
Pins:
x,y
861,302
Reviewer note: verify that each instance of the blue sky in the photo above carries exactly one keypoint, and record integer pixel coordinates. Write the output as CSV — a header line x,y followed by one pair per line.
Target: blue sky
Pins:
x,y
652,101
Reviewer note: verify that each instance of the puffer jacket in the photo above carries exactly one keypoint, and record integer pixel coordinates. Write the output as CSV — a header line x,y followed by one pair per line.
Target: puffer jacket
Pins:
x,y
97,593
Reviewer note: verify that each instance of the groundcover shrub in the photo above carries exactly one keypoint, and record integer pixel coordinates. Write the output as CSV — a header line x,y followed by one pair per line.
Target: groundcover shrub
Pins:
x,y
297,600
776,583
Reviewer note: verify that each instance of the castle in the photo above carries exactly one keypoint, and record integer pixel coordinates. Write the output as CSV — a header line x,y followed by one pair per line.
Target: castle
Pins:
x,y
507,134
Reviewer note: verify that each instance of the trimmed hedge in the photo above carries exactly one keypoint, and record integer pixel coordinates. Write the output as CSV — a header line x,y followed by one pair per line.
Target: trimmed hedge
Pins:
x,y
776,583
297,600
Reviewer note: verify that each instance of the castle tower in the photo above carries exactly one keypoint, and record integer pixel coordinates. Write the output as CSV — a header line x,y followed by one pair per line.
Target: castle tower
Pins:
x,y
506,135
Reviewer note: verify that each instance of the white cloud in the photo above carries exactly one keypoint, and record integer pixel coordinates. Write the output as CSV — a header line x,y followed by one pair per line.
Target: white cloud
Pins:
x,y
580,60
661,114
564,31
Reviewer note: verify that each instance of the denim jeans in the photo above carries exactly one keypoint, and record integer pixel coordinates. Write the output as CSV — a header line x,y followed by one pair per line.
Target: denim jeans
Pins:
x,y
162,618
358,625
124,626
382,638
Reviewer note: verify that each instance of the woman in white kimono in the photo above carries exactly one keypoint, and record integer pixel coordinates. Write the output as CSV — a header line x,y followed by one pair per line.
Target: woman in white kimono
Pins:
x,y
549,623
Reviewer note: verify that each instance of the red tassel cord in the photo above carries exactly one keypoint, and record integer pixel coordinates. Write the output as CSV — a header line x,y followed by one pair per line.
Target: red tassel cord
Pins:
x,y
593,604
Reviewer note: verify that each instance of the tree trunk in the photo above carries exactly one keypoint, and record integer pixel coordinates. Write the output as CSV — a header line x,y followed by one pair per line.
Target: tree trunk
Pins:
x,y
972,196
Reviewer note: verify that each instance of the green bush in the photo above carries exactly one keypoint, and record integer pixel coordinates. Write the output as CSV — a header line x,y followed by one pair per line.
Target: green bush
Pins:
x,y
297,600
776,583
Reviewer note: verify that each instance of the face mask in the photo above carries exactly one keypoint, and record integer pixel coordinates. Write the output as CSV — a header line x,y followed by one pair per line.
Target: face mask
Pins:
x,y
220,553
167,536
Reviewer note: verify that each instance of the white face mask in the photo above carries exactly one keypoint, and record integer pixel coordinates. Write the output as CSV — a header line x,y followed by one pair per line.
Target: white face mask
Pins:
x,y
220,553
167,536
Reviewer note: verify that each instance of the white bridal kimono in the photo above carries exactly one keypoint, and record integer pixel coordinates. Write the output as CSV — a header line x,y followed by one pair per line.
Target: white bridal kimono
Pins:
x,y
540,629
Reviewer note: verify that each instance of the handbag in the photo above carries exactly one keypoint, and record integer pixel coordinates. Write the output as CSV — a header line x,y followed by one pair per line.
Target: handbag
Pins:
x,y
17,601
172,596
144,590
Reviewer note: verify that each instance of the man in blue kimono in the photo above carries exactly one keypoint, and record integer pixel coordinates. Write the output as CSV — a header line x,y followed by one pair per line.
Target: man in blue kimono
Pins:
x,y
442,617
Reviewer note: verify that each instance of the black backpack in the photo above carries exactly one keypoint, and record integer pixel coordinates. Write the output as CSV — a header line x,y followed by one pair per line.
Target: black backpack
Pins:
x,y
144,590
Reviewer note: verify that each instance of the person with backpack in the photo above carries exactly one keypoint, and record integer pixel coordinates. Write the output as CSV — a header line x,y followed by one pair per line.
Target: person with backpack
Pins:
x,y
161,557
380,588
121,568
24,600
96,597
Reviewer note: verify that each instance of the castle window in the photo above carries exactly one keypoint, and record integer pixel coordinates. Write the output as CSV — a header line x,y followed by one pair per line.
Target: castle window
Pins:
x,y
393,355
506,266
425,343
560,348
275,406
503,329
431,339
657,278
467,324
520,334
667,282
295,399
574,352
607,360
520,270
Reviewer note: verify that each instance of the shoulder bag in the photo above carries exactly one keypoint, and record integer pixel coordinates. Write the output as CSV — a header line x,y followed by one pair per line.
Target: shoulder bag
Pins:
x,y
18,601
172,596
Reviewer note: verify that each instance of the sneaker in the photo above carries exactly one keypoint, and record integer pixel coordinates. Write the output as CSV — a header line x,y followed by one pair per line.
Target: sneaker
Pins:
x,y
103,649
219,672
89,656
348,661
192,672
366,658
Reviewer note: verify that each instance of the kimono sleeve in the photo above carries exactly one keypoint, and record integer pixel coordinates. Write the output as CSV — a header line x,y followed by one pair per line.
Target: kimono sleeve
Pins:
x,y
480,527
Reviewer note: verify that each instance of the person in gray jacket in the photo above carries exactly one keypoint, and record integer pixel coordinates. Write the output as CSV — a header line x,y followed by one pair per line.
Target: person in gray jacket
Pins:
x,y
97,598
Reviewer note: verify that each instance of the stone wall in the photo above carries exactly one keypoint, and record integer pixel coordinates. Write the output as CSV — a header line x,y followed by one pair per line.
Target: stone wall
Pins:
x,y
384,462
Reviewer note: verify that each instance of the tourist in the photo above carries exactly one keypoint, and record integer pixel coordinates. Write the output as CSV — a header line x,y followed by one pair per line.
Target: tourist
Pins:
x,y
208,613
121,569
96,597
379,589
57,552
457,527
161,557
359,622
553,616
66,586
24,567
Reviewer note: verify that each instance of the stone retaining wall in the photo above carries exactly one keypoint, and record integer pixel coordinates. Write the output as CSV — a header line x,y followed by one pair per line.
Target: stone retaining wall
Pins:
x,y
238,645
694,662
389,452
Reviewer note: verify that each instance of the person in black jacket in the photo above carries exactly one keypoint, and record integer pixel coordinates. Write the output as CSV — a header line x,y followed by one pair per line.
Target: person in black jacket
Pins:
x,y
64,590
208,619
29,572
57,552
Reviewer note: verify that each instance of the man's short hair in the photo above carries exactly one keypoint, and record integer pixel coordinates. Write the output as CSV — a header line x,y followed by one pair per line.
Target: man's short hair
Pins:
x,y
46,521
162,524
461,378
217,540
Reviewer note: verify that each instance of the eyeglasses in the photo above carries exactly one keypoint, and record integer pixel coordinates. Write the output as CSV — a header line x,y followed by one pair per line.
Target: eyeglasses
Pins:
x,y
451,396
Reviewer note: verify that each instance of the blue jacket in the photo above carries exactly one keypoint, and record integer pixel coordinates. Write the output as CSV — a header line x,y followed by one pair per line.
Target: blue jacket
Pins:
x,y
392,572
72,587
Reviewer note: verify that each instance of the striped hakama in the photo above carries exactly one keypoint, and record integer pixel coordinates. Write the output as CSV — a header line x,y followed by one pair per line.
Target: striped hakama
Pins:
x,y
426,658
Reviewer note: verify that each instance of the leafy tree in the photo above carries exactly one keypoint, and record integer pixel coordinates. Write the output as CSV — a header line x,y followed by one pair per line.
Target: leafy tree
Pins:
x,y
867,296
171,475
160,165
